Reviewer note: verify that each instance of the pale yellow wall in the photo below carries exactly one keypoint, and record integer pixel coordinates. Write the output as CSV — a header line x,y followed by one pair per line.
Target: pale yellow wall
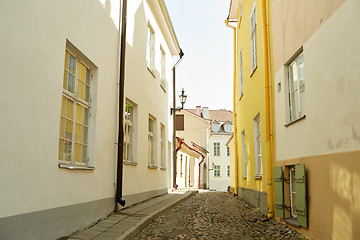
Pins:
x,y
33,51
252,102
331,97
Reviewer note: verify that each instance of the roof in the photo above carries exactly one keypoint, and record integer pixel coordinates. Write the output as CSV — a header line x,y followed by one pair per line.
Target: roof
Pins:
x,y
221,115
234,6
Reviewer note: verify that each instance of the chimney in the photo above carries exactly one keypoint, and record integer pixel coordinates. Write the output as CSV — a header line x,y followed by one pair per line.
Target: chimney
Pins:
x,y
198,110
205,112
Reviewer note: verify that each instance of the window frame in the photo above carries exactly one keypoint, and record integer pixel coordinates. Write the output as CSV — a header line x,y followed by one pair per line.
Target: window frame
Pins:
x,y
241,76
152,142
131,142
78,102
150,51
217,171
217,149
244,160
162,146
253,40
257,146
228,171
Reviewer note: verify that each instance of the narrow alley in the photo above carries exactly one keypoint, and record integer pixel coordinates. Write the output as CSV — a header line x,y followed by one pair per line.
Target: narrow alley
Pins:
x,y
216,215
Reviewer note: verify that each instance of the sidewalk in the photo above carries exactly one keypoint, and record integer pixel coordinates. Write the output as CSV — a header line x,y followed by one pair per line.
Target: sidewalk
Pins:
x,y
129,222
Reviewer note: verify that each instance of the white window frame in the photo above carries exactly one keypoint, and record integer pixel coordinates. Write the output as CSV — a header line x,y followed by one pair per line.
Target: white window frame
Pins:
x,y
162,144
228,170
162,64
227,151
150,51
216,170
129,132
253,42
152,141
296,88
257,146
244,153
215,127
216,149
86,104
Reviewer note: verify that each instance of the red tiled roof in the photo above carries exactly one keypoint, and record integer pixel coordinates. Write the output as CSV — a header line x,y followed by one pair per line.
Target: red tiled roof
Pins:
x,y
221,115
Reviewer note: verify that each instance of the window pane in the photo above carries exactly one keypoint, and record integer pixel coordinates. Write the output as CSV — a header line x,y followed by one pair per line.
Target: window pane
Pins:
x,y
86,117
85,136
65,79
81,90
61,149
151,125
78,152
70,83
70,109
67,151
87,76
62,127
72,63
84,153
82,71
79,133
87,93
68,129
67,60
79,113
63,106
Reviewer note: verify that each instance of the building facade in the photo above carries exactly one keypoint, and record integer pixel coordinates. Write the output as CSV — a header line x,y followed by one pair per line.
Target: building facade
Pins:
x,y
59,148
317,172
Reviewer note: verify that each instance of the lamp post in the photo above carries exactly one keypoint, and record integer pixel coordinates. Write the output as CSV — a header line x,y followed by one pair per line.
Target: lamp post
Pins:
x,y
182,99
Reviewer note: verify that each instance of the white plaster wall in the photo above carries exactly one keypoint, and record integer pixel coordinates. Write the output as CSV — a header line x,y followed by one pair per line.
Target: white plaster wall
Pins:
x,y
143,88
32,60
332,102
222,182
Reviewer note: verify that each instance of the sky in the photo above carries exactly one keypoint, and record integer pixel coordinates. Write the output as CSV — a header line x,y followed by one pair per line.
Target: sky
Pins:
x,y
206,71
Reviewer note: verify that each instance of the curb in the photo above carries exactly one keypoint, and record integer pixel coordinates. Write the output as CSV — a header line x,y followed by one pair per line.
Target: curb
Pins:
x,y
136,229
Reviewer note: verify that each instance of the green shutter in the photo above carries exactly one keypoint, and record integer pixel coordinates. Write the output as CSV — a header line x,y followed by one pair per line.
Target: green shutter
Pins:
x,y
301,205
279,192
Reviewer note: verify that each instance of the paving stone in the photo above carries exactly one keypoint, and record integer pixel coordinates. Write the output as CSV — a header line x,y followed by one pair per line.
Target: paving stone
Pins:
x,y
216,215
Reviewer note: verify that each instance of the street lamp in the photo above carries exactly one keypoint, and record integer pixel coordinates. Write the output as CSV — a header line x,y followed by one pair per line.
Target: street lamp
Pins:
x,y
182,99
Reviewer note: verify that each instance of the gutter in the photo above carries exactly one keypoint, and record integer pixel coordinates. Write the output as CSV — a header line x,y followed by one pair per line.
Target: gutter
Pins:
x,y
120,149
234,111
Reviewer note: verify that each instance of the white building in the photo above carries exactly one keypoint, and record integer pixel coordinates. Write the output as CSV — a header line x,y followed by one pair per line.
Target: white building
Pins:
x,y
219,152
59,111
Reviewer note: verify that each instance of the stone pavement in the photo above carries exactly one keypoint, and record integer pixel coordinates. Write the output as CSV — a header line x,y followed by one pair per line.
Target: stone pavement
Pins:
x,y
216,215
130,221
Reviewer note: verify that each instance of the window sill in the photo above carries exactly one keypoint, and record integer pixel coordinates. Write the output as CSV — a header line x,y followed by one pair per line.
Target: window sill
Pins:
x,y
292,221
152,167
297,120
258,177
151,72
130,163
73,167
163,169
244,177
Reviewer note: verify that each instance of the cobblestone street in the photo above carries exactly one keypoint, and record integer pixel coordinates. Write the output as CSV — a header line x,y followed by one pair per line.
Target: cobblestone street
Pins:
x,y
216,215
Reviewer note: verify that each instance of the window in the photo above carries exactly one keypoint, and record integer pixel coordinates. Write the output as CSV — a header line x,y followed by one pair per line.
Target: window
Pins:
x,y
179,122
257,145
151,142
75,112
227,151
162,146
228,127
292,192
150,51
241,74
296,88
216,149
228,170
216,170
129,133
162,64
215,127
181,166
253,48
244,153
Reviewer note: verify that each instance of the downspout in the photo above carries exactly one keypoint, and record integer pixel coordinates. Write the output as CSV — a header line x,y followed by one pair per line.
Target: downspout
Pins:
x,y
119,180
269,159
234,110
181,54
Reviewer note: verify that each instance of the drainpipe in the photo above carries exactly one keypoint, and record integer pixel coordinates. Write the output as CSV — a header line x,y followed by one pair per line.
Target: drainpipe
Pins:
x,y
269,160
120,149
181,54
234,109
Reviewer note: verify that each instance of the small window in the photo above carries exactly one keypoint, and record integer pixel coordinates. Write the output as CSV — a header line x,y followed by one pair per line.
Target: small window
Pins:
x,y
228,170
129,133
296,87
179,122
162,64
241,74
162,146
227,151
244,153
151,142
257,145
215,127
228,127
253,47
150,51
216,170
216,149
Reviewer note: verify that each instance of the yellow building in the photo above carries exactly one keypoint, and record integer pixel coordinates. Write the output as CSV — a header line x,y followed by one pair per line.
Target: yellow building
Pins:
x,y
253,129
